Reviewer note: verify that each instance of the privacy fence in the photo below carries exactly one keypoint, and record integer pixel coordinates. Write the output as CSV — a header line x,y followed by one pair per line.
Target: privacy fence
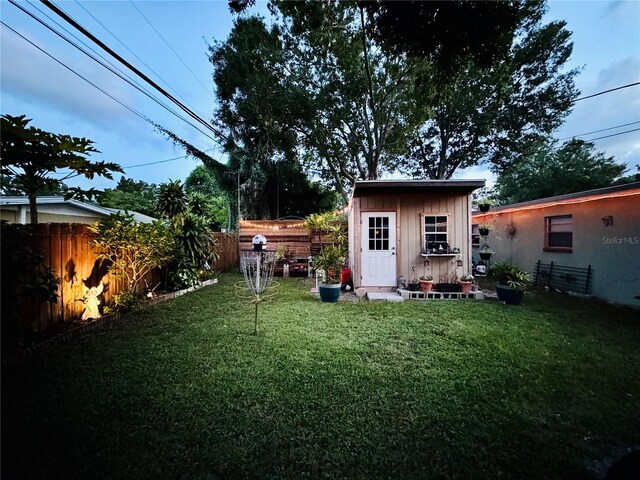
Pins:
x,y
67,250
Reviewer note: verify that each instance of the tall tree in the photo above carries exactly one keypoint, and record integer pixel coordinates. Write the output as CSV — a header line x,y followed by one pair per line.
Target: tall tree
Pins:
x,y
492,114
314,87
30,155
546,171
130,195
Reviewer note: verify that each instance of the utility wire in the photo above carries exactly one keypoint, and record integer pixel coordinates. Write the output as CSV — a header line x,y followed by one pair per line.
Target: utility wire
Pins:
x,y
137,87
162,161
170,47
606,91
601,130
132,52
612,135
131,109
85,32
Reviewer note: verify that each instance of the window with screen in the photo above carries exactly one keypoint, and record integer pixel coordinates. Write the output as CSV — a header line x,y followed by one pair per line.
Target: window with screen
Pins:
x,y
435,231
378,233
559,233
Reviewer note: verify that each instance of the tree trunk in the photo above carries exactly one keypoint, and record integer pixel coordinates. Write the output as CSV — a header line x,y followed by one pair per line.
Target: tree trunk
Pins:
x,y
33,209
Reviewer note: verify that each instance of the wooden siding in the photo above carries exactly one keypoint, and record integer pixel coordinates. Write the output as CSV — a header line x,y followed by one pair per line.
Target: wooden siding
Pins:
x,y
409,236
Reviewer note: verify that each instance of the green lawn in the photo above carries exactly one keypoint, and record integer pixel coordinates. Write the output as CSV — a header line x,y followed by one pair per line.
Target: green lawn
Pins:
x,y
349,390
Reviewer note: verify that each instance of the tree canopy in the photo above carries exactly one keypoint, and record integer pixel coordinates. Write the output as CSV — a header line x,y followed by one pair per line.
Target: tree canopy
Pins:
x,y
30,155
351,91
548,171
131,195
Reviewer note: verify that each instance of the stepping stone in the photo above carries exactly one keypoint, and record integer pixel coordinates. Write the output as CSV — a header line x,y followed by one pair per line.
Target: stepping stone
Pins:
x,y
384,297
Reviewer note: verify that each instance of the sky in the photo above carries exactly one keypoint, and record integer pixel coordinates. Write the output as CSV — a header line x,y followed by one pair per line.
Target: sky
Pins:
x,y
168,41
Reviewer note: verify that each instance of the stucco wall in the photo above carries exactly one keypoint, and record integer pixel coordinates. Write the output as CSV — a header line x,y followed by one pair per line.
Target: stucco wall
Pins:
x,y
613,252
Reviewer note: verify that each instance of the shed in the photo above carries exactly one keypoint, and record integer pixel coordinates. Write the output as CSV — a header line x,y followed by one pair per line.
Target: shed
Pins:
x,y
410,228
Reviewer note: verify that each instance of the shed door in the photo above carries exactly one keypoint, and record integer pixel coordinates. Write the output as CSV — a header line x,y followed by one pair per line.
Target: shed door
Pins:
x,y
378,256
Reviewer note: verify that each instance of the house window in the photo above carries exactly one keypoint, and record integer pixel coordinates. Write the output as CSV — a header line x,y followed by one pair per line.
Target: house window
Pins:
x,y
558,233
378,233
435,231
475,235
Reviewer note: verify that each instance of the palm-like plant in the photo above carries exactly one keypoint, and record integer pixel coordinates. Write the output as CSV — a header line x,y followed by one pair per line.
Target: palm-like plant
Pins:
x,y
172,201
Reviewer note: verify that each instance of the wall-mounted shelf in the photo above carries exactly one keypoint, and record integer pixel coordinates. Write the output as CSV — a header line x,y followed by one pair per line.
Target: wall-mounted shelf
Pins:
x,y
439,254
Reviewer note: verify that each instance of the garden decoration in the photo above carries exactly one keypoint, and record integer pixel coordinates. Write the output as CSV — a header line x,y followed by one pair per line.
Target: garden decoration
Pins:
x,y
257,268
91,302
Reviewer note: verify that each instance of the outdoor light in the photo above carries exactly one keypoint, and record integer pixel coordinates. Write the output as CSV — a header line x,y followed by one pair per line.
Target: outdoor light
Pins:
x,y
459,263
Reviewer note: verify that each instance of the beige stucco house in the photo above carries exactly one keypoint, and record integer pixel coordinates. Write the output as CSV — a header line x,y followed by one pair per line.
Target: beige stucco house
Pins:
x,y
597,231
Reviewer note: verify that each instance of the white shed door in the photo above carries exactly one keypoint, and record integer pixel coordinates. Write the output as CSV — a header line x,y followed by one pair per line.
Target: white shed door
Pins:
x,y
378,256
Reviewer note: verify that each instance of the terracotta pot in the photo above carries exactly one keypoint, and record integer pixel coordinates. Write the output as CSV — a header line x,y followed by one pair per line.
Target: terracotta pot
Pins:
x,y
426,285
484,207
465,286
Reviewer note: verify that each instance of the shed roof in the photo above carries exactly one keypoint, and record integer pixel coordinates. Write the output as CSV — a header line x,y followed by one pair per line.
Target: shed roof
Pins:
x,y
377,187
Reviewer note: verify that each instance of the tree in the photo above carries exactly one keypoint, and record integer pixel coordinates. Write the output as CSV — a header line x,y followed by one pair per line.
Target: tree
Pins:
x,y
547,172
133,248
130,195
492,114
30,155
314,88
172,200
205,193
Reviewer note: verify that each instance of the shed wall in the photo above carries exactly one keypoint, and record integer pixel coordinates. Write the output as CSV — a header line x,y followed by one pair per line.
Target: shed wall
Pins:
x,y
409,210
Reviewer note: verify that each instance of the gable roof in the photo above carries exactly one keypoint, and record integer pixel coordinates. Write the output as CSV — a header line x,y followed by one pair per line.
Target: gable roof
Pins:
x,y
57,200
376,187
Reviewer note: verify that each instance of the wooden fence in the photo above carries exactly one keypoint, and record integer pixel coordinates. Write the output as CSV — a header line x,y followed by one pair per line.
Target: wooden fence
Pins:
x,y
67,250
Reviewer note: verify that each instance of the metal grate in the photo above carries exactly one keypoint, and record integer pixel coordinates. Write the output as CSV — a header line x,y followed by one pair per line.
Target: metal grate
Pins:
x,y
562,277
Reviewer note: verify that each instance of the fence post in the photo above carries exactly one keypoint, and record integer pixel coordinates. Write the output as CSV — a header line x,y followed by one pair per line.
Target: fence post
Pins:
x,y
586,285
537,272
550,273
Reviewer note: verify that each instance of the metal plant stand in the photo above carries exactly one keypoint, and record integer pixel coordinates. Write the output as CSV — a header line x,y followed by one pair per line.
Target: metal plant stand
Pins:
x,y
257,268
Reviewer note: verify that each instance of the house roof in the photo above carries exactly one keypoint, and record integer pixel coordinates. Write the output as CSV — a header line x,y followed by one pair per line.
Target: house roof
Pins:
x,y
376,187
57,200
613,191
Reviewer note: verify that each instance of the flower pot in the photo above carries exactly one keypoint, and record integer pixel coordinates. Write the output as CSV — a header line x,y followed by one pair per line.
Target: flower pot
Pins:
x,y
414,287
509,295
345,275
484,232
484,207
426,285
329,292
465,286
485,255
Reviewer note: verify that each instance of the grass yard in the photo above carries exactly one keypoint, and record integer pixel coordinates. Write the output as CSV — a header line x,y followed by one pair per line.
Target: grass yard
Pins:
x,y
350,390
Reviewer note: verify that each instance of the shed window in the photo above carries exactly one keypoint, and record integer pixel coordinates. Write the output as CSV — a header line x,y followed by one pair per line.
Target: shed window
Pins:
x,y
378,233
475,235
435,231
559,233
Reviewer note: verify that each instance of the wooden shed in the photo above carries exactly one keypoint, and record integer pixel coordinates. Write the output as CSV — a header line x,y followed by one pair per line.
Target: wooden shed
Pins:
x,y
410,228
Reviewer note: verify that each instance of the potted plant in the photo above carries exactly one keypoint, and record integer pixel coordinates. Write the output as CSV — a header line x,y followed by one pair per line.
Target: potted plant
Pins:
x,y
484,204
426,283
484,229
485,252
466,282
332,257
512,282
330,260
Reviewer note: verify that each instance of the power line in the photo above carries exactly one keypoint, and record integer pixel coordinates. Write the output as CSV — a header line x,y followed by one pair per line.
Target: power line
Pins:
x,y
131,109
110,51
162,161
112,70
612,135
132,52
606,91
601,130
170,47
